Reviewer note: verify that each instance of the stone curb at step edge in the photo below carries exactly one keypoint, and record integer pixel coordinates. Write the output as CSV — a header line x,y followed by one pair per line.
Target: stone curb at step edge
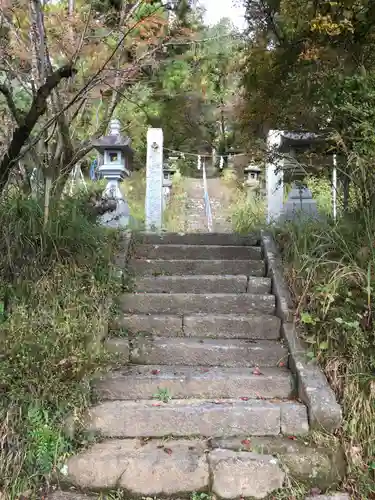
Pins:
x,y
324,411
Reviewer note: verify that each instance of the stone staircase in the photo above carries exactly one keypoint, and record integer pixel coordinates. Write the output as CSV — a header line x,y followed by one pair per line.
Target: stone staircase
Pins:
x,y
205,401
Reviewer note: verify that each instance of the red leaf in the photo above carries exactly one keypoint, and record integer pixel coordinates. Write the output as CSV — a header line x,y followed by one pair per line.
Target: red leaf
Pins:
x,y
205,370
156,404
256,371
168,451
155,372
246,442
245,399
293,438
281,364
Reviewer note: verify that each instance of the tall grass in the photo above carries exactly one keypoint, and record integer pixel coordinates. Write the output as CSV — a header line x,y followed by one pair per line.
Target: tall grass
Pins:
x,y
248,212
55,282
330,269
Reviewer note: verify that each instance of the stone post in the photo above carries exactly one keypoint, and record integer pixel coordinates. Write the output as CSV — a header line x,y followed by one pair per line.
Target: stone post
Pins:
x,y
274,178
154,180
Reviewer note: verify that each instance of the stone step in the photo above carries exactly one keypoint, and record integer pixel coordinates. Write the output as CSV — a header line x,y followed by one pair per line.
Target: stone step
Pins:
x,y
196,417
199,267
177,382
237,468
185,303
250,326
202,284
141,468
199,252
198,239
201,352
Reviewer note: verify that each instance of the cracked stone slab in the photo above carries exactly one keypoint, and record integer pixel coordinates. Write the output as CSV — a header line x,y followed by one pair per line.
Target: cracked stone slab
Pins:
x,y
243,474
312,465
151,468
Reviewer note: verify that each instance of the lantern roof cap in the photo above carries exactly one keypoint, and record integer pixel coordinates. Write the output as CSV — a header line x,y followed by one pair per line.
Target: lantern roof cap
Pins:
x,y
114,140
252,168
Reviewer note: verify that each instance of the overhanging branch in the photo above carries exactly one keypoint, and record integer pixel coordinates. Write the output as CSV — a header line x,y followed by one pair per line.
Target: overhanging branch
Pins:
x,y
37,109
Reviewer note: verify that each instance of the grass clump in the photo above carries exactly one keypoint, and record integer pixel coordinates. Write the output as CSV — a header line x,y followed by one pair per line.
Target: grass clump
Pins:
x,y
248,213
55,282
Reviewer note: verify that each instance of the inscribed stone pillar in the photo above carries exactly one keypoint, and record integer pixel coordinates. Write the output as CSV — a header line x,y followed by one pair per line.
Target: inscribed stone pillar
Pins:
x,y
274,177
154,180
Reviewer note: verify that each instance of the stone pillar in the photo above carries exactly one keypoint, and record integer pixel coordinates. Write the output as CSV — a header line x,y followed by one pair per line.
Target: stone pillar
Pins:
x,y
274,178
154,180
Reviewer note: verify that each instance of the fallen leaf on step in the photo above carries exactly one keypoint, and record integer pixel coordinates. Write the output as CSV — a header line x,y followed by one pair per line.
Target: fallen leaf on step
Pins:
x,y
156,404
293,438
256,371
155,372
168,451
246,442
205,370
245,399
281,364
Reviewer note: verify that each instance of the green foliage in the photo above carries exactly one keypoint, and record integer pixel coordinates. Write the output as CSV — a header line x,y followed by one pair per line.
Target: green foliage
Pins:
x,y
56,281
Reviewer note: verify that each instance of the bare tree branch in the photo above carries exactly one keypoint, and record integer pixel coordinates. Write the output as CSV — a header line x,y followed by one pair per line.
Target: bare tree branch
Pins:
x,y
37,109
7,93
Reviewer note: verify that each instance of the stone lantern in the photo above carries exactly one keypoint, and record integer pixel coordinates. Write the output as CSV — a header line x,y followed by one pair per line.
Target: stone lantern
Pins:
x,y
117,163
252,173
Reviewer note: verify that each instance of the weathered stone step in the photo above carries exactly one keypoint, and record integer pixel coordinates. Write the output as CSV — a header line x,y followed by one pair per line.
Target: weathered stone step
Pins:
x,y
202,284
202,352
230,468
199,239
231,326
144,382
200,252
193,417
247,326
185,303
192,267
175,467
148,469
